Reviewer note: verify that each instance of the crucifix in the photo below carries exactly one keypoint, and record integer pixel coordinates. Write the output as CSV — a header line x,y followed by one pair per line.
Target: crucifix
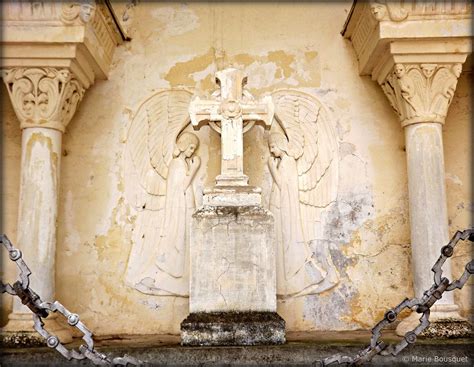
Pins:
x,y
232,113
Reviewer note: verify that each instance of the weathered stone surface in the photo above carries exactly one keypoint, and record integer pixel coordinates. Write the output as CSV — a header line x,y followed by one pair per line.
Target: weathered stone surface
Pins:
x,y
302,349
366,228
233,328
233,196
448,329
232,260
21,339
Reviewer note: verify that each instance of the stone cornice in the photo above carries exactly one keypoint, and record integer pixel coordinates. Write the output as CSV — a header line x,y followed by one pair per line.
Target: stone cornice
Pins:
x,y
415,51
80,36
373,26
43,97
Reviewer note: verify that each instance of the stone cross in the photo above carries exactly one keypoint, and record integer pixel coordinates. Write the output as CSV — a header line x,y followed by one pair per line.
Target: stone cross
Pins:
x,y
231,110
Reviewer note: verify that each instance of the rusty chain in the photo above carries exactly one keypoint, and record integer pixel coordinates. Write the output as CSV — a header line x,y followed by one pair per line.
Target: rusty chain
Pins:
x,y
441,284
420,305
42,310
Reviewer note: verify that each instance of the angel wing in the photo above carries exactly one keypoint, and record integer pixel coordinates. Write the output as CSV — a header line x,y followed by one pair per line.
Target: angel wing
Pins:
x,y
442,90
313,144
419,97
150,142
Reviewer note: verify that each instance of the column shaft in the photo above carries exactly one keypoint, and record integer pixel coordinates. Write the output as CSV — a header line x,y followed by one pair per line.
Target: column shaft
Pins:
x,y
38,209
427,196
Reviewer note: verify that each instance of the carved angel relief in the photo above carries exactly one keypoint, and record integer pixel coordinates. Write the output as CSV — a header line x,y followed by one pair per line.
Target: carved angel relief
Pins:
x,y
160,167
304,167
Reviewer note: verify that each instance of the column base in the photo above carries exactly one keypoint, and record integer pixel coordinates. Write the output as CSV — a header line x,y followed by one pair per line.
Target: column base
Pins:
x,y
233,328
445,322
20,332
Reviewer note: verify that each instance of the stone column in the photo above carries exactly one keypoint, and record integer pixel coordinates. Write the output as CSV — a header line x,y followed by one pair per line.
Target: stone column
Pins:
x,y
421,95
44,99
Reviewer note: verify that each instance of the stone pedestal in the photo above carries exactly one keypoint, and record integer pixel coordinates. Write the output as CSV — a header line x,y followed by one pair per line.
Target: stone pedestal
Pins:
x,y
233,328
233,278
232,296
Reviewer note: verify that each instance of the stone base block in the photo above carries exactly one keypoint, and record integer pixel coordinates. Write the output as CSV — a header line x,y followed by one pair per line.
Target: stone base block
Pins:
x,y
20,332
21,339
445,323
233,328
232,260
448,329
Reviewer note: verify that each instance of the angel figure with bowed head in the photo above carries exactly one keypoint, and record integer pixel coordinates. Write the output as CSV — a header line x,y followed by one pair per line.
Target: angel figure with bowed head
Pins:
x,y
160,172
172,243
303,166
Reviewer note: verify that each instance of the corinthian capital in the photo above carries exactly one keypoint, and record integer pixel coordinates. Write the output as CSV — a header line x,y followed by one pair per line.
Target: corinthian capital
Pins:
x,y
43,97
421,92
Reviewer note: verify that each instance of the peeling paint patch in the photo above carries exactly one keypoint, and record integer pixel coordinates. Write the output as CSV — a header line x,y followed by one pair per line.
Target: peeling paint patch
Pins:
x,y
347,215
276,69
181,73
323,309
453,178
283,60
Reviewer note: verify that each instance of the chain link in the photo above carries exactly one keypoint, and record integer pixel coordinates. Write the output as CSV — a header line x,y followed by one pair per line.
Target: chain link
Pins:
x,y
422,306
42,310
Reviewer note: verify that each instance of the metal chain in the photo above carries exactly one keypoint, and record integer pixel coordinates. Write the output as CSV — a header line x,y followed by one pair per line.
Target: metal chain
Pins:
x,y
422,306
42,310
441,284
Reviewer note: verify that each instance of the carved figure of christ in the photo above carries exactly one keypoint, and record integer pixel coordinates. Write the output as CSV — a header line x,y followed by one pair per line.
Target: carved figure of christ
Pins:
x,y
230,111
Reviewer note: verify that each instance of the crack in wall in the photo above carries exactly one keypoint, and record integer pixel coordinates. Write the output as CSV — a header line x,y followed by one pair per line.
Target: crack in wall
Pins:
x,y
229,263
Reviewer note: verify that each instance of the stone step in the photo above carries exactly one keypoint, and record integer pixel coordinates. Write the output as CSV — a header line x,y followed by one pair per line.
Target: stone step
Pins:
x,y
302,350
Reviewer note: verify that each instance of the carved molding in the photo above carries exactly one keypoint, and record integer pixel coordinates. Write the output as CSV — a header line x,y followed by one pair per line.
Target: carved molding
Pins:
x,y
67,12
72,12
51,29
43,97
421,92
398,11
382,10
374,26
105,31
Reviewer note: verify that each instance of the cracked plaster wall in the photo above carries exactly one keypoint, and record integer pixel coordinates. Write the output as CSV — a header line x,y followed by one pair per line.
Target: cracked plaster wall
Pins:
x,y
366,228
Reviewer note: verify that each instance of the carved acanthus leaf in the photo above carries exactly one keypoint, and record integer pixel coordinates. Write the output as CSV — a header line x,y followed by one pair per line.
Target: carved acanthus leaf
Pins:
x,y
43,97
421,92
